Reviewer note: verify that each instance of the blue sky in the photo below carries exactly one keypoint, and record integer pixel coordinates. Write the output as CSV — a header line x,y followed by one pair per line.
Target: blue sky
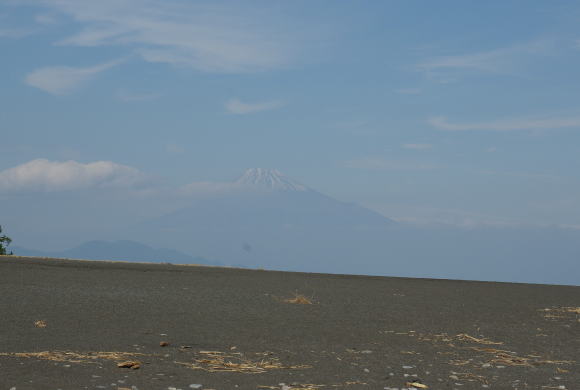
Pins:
x,y
462,113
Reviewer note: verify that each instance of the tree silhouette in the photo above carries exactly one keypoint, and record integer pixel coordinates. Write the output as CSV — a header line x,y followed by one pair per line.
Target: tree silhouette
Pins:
x,y
4,242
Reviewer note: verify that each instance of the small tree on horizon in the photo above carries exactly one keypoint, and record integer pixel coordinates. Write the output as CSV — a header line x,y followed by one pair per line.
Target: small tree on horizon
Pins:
x,y
4,242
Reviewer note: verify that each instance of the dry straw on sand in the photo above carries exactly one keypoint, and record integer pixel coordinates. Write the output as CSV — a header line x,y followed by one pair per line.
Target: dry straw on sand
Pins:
x,y
299,299
74,357
561,312
311,386
216,361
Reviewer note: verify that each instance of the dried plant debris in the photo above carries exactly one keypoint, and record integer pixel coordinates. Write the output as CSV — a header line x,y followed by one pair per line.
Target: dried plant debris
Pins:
x,y
216,361
299,299
470,377
311,386
457,347
40,324
567,312
416,385
133,364
508,358
73,357
466,337
294,386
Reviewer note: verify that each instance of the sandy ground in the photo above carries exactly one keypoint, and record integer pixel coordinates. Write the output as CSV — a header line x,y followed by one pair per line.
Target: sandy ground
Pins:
x,y
67,324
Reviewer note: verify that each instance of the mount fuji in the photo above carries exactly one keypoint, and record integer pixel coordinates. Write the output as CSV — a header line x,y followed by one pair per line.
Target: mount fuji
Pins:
x,y
268,220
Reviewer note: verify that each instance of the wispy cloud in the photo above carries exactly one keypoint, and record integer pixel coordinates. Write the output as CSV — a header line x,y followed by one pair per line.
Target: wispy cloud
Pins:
x,y
173,148
435,217
381,164
15,32
409,91
502,60
236,106
46,175
45,19
507,124
127,96
208,37
417,146
207,188
62,80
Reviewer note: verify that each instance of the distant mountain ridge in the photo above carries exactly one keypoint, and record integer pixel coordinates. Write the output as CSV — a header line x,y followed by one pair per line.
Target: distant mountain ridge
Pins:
x,y
124,250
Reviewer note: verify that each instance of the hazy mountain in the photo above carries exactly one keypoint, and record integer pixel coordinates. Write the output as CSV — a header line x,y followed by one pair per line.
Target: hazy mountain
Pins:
x,y
265,219
117,250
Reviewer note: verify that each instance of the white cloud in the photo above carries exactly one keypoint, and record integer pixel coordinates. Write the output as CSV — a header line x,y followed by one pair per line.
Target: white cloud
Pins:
x,y
236,106
208,37
45,175
507,124
381,164
417,146
62,80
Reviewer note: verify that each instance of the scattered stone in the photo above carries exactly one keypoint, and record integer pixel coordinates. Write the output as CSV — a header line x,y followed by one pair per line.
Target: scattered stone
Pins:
x,y
163,344
195,386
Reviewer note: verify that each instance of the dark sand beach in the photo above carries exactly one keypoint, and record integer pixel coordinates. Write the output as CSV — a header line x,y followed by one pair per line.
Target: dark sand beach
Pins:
x,y
68,324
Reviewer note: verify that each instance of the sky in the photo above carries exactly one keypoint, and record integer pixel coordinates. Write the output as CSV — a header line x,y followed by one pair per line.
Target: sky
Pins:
x,y
455,113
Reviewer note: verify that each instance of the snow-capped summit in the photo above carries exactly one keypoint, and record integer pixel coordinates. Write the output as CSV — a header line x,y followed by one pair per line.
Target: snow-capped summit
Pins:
x,y
269,179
